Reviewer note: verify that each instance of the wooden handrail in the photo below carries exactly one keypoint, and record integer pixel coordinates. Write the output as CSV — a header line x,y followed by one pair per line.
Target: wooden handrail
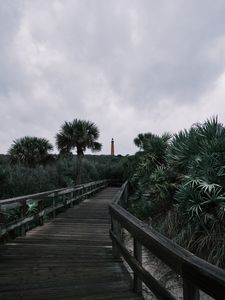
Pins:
x,y
44,194
47,204
196,272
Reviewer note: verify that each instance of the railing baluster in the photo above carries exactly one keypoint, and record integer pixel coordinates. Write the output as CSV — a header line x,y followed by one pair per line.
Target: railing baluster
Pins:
x,y
54,198
74,196
64,201
70,199
40,209
190,292
137,283
2,219
116,228
125,197
23,210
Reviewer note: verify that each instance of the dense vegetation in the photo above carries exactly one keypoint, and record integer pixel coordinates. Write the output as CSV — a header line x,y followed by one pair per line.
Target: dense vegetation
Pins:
x,y
178,185
19,179
177,181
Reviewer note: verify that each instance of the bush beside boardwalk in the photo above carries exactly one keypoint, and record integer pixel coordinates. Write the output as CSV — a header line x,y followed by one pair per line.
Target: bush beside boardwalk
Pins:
x,y
178,187
18,180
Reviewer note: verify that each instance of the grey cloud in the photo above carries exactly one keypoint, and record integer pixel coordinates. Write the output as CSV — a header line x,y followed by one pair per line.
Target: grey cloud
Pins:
x,y
118,63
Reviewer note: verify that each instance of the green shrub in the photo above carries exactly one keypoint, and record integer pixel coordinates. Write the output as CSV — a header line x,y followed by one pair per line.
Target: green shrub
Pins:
x,y
179,182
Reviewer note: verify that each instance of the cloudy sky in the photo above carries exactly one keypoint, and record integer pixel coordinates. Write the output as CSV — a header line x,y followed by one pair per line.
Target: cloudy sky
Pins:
x,y
130,66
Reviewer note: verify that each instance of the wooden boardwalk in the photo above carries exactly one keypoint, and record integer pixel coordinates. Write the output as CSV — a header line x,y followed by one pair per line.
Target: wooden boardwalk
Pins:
x,y
67,258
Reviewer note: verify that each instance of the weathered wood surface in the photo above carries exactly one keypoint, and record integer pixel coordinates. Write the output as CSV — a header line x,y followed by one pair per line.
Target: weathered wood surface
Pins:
x,y
68,258
46,203
196,272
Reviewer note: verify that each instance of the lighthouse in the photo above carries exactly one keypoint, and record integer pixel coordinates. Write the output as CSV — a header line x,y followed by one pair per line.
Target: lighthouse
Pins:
x,y
112,148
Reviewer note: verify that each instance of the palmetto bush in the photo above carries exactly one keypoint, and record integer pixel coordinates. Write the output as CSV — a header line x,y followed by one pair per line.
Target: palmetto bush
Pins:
x,y
183,192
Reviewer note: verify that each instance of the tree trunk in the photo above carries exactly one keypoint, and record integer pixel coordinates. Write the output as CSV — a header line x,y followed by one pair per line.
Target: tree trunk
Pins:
x,y
79,167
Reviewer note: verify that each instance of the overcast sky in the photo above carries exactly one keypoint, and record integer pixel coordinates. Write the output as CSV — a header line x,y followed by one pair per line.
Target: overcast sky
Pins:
x,y
130,66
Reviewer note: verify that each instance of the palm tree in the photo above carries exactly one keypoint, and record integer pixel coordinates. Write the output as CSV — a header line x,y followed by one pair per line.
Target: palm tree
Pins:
x,y
30,151
153,146
79,135
141,138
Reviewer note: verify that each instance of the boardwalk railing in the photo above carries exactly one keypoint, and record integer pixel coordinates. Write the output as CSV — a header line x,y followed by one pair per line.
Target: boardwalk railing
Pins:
x,y
196,273
18,214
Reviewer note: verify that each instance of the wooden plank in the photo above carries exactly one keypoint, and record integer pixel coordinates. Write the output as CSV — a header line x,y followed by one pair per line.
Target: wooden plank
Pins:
x,y
68,258
21,201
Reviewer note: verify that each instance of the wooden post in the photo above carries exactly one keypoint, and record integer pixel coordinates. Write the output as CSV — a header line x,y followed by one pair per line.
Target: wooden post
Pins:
x,y
2,221
40,209
67,198
23,210
85,190
80,195
71,199
125,197
116,228
76,196
138,256
54,204
1,216
64,201
190,291
91,191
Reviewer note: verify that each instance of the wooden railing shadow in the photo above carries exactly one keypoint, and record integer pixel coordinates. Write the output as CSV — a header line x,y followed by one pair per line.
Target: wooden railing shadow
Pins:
x,y
46,205
197,274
